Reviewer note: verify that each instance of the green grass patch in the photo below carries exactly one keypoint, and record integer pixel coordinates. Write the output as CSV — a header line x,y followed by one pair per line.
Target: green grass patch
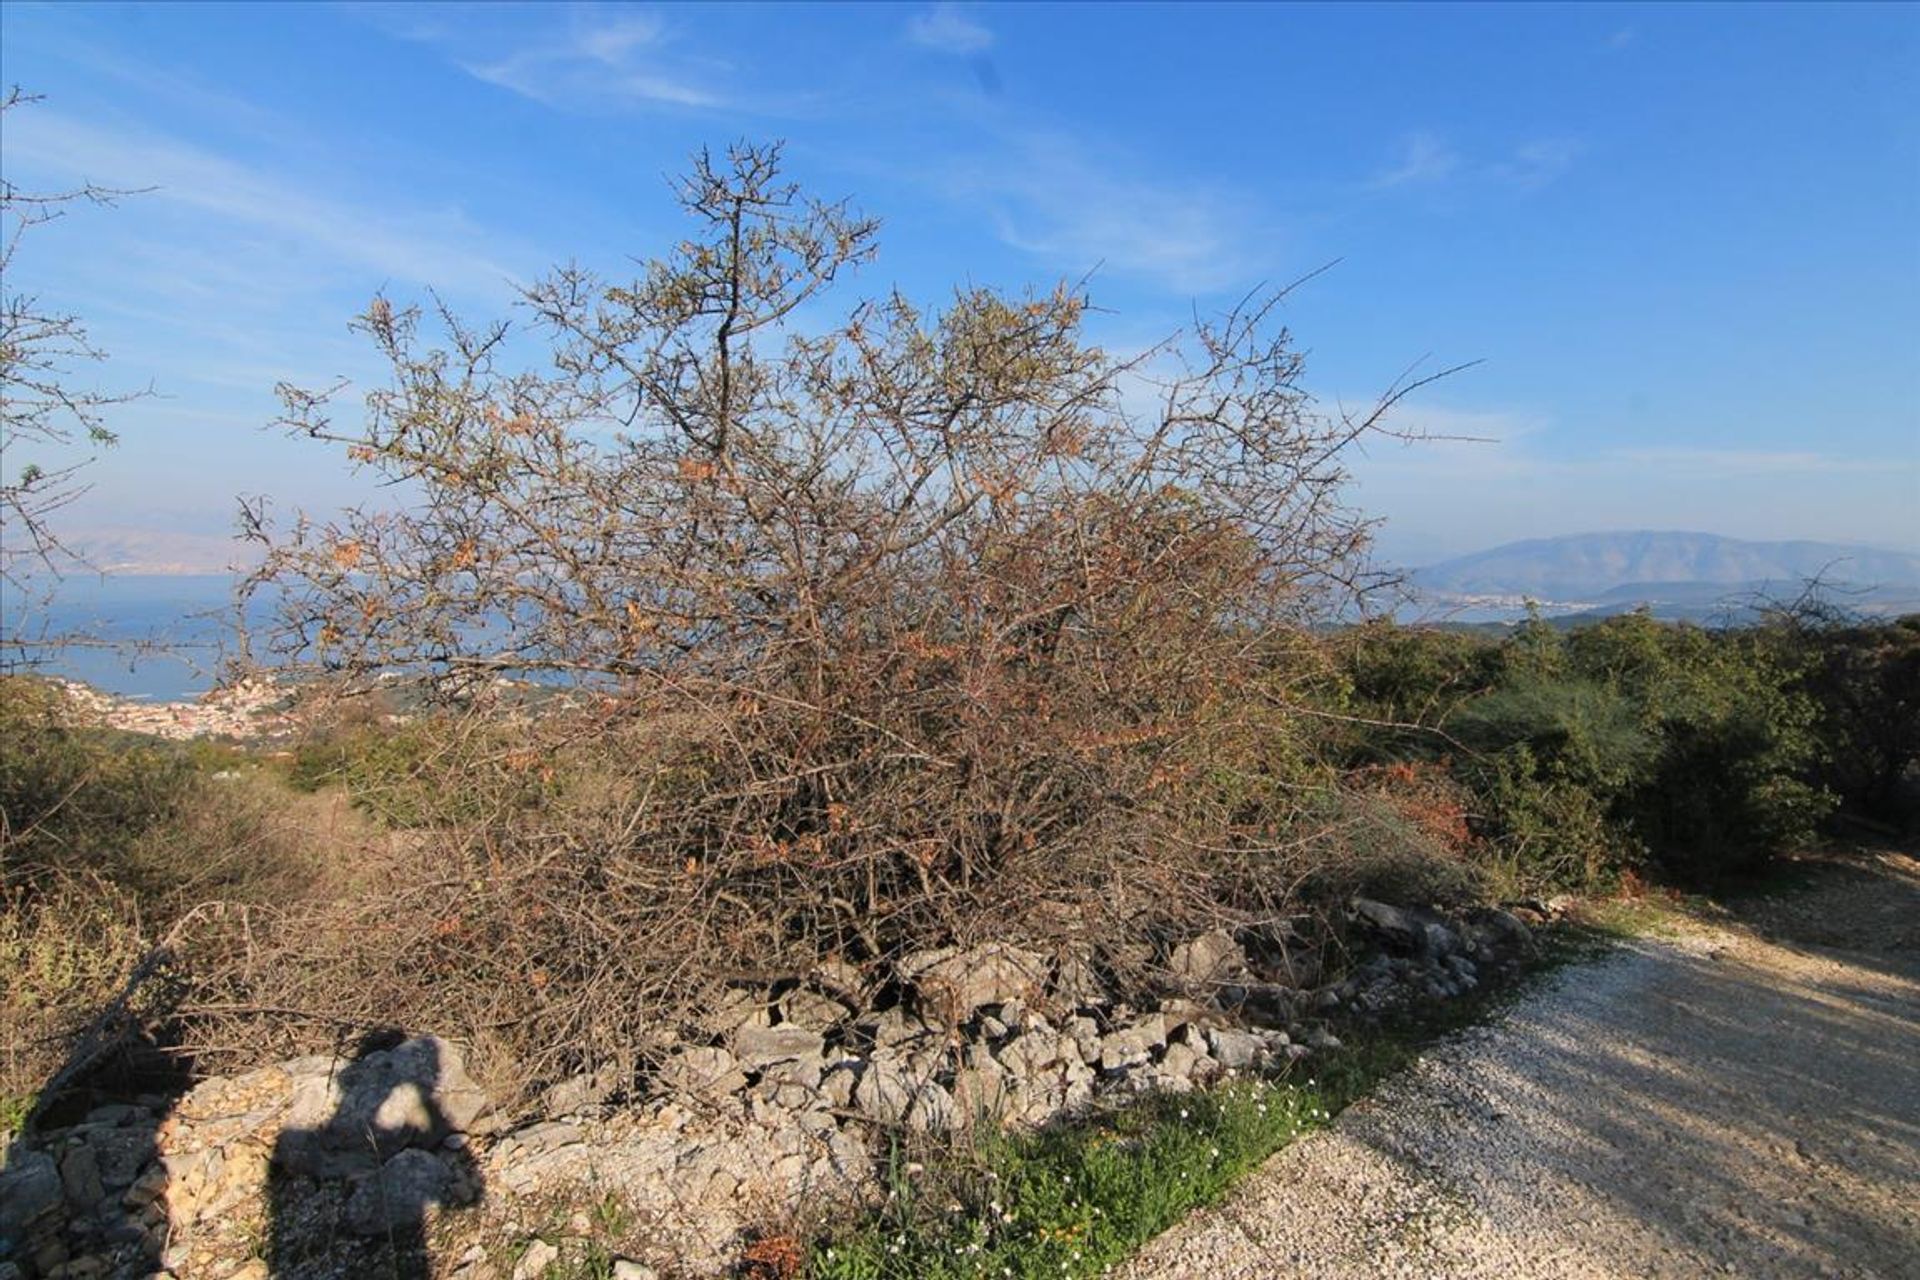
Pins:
x,y
1072,1200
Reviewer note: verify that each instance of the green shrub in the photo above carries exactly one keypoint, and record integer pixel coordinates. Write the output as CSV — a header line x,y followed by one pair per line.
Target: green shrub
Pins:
x,y
1865,679
1733,782
75,798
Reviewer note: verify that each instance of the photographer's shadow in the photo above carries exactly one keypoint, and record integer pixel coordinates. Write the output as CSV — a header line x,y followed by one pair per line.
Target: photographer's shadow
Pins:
x,y
386,1156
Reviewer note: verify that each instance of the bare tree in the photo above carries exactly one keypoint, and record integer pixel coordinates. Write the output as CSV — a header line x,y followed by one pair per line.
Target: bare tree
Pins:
x,y
50,425
895,627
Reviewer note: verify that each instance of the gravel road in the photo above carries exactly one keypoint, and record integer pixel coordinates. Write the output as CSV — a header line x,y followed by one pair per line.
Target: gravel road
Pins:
x,y
1740,1099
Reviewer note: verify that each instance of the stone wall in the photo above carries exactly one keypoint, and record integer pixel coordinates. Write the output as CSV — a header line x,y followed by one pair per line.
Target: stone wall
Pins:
x,y
362,1162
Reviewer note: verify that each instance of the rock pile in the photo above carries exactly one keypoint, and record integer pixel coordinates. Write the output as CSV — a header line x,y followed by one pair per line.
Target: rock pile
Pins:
x,y
772,1104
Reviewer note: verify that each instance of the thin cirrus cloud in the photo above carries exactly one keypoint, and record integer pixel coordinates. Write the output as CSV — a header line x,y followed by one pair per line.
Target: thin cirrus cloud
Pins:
x,y
1427,160
1423,159
609,62
947,29
438,247
594,57
1535,164
1048,197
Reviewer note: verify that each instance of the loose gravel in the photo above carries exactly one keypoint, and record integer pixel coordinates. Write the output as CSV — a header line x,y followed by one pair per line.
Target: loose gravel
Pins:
x,y
1729,1101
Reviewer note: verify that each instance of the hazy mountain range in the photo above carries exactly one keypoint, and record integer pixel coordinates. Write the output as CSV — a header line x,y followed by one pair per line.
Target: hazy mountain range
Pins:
x,y
1681,575
1675,574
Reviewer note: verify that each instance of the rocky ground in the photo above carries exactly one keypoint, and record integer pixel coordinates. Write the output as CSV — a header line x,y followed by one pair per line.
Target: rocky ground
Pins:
x,y
390,1158
1735,1096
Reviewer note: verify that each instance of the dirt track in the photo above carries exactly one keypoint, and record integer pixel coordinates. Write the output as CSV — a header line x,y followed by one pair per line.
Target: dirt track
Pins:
x,y
1739,1099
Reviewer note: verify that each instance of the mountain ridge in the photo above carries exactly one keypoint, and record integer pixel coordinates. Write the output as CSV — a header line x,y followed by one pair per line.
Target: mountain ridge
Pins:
x,y
1588,566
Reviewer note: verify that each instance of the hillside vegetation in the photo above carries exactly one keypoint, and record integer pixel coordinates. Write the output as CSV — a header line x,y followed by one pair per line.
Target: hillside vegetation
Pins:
x,y
747,652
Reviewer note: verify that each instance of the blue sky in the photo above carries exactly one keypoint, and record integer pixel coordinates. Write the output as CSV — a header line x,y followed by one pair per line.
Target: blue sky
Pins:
x,y
1684,241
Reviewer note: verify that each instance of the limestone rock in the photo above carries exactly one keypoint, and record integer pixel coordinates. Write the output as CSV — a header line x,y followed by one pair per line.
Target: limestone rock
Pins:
x,y
1236,1050
1206,961
1133,1045
757,1047
705,1072
1075,983
1390,922
30,1193
953,984
894,1093
400,1194
80,1177
534,1262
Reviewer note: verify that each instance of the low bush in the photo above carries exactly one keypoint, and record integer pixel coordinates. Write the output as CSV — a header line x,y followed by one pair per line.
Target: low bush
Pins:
x,y
76,798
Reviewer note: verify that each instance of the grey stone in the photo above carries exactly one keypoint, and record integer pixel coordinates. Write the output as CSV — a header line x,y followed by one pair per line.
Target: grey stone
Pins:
x,y
534,1262
837,1085
122,1155
80,1177
1234,1049
628,1269
1436,940
1133,1045
1033,1052
1387,920
400,1194
1206,961
540,1139
1178,1061
952,984
1510,930
760,1046
119,1113
806,1008
412,1095
146,1188
980,1085
1076,983
1085,1034
804,1073
1265,1004
894,1093
736,1007
703,1071
581,1092
30,1192
894,1027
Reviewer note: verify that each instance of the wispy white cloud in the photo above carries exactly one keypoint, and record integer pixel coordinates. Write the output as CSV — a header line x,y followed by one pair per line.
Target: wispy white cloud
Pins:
x,y
1623,37
1422,158
437,247
1534,164
595,63
1427,160
1051,196
946,28
579,57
